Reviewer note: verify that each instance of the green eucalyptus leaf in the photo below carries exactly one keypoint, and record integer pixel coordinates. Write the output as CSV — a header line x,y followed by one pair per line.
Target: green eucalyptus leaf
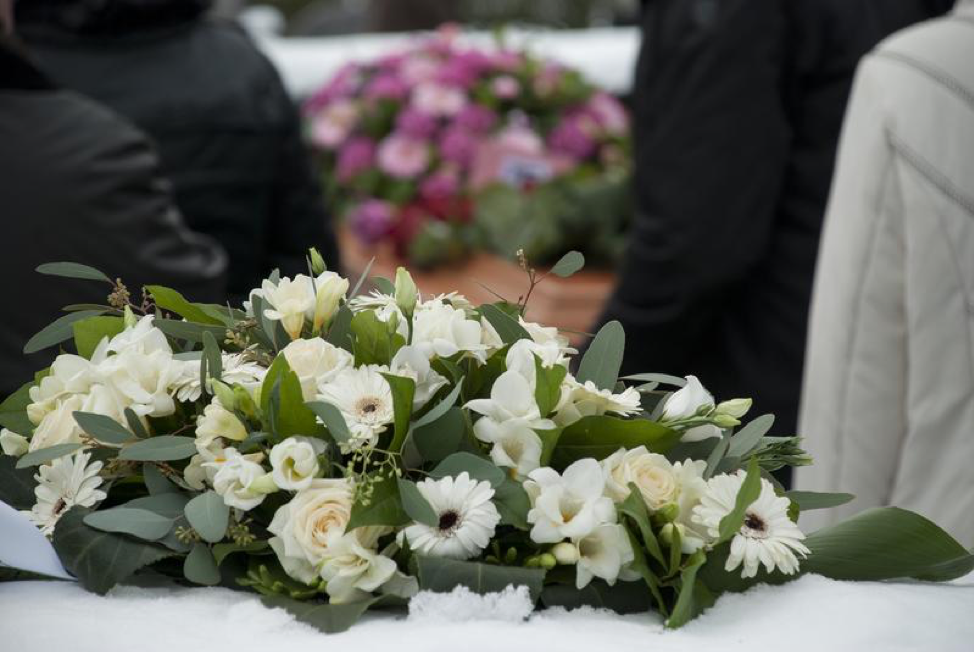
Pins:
x,y
477,467
208,515
440,408
105,429
600,436
135,424
214,359
171,505
88,333
139,523
568,264
384,507
747,494
415,505
513,504
58,331
442,575
155,481
100,560
164,448
200,567
173,301
16,485
748,437
507,327
73,270
603,359
187,330
809,500
441,438
333,419
340,331
325,617
45,455
223,550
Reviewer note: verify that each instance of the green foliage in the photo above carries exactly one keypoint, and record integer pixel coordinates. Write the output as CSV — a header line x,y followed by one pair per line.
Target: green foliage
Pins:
x,y
568,264
13,410
100,560
326,618
747,438
173,301
442,575
415,505
477,467
73,270
200,567
441,437
748,493
402,403
58,331
373,340
622,597
189,331
16,485
155,481
332,417
105,429
88,333
139,523
164,448
288,415
512,504
548,381
44,455
603,359
208,515
384,507
809,500
694,597
600,436
507,327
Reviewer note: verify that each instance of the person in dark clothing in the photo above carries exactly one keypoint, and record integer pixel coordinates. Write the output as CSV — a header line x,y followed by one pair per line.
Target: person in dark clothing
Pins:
x,y
78,183
738,106
228,134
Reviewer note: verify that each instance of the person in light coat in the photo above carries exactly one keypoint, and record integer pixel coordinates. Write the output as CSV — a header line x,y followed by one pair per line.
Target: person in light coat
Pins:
x,y
888,399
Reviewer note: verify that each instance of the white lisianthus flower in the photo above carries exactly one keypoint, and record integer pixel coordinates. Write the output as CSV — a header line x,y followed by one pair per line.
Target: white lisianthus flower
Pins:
x,y
330,289
410,362
365,400
63,484
217,421
306,526
290,302
13,444
586,399
237,370
466,518
352,567
767,535
570,505
295,462
442,330
603,553
234,480
315,362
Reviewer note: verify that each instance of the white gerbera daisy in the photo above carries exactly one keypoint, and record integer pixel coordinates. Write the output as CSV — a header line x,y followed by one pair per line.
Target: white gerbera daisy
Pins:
x,y
365,400
767,535
62,484
237,369
586,399
466,518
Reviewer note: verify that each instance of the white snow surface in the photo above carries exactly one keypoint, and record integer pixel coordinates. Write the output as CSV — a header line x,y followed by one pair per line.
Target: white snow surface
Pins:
x,y
813,613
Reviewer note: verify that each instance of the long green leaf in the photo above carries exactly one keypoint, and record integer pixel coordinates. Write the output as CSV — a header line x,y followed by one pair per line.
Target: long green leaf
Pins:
x,y
13,410
441,438
440,408
200,567
44,455
809,500
477,467
507,328
442,575
173,301
622,597
403,390
326,618
16,485
603,359
293,416
88,333
139,523
57,331
693,596
332,417
384,508
748,437
100,560
186,330
165,448
747,494
104,429
73,270
600,436
415,505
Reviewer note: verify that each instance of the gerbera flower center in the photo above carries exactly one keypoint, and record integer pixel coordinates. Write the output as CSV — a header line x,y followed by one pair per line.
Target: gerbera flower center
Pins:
x,y
448,521
368,405
754,525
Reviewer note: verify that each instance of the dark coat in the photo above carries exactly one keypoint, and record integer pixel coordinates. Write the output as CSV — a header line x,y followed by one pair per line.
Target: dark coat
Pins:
x,y
738,108
227,132
78,183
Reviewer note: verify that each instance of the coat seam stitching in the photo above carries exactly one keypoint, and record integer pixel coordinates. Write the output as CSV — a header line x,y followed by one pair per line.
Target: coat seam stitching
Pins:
x,y
936,74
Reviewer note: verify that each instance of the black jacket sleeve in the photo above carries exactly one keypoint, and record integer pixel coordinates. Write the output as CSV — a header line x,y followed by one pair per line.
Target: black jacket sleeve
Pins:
x,y
711,145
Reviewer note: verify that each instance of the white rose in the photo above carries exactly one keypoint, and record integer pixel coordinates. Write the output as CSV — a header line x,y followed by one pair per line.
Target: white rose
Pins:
x,y
570,505
315,362
217,421
652,474
291,302
330,290
295,462
234,481
353,567
305,527
684,403
13,444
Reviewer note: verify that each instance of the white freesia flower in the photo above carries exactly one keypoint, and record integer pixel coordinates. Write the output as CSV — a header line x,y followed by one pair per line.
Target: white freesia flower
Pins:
x,y
290,302
63,484
441,329
353,567
586,399
548,336
295,462
234,480
684,403
306,526
518,448
69,374
13,444
237,370
217,421
316,362
58,425
767,535
466,518
364,398
570,505
521,359
603,553
410,362
330,289
142,380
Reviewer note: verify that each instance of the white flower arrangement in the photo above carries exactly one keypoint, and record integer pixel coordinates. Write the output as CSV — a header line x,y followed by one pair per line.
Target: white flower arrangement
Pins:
x,y
357,450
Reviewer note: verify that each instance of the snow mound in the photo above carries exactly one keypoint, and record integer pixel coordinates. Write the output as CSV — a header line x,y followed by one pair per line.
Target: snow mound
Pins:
x,y
513,604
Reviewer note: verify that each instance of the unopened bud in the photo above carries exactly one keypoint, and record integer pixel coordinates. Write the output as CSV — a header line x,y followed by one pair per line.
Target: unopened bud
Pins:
x,y
547,561
263,485
129,318
666,533
725,421
668,512
223,393
565,553
736,407
317,262
243,401
406,292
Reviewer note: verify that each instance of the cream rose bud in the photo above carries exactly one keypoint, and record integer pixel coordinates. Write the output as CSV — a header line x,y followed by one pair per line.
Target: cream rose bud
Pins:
x,y
315,362
235,478
652,474
295,462
290,302
684,403
406,292
330,289
309,524
13,444
217,421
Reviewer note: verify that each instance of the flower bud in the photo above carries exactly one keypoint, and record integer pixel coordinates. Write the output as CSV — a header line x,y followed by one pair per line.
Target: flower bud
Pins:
x,y
668,512
736,407
666,533
317,262
223,393
547,561
263,485
243,401
13,444
405,291
129,318
725,421
565,553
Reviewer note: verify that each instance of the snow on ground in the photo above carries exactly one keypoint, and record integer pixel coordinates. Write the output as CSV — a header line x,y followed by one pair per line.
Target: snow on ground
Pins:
x,y
811,614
